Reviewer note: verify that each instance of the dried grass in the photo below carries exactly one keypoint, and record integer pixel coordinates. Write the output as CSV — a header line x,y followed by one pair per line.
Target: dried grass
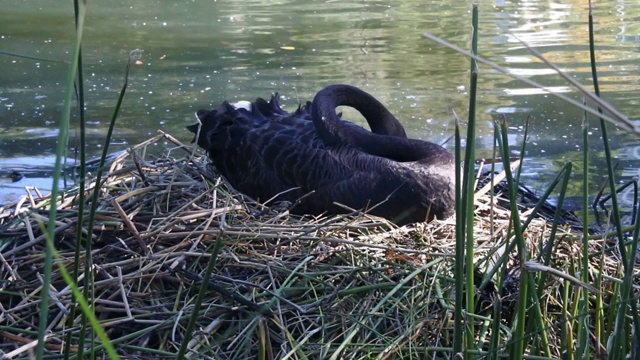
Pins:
x,y
283,286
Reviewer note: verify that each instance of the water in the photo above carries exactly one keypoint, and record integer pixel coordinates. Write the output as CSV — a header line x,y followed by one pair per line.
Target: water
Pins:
x,y
198,53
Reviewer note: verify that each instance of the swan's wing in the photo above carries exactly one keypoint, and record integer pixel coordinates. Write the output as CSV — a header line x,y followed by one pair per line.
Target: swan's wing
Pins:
x,y
274,158
326,176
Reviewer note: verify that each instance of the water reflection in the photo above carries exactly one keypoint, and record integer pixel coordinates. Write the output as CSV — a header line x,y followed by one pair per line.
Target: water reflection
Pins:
x,y
198,53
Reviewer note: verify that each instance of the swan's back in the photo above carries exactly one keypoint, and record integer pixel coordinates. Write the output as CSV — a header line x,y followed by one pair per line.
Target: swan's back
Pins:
x,y
266,153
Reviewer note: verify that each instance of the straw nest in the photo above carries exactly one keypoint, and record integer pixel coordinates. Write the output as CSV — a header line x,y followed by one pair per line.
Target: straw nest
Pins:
x,y
352,286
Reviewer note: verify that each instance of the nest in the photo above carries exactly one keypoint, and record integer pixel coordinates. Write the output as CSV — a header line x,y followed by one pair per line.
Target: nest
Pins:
x,y
170,237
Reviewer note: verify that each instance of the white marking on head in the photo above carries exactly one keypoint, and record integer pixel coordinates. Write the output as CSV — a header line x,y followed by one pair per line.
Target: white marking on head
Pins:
x,y
244,104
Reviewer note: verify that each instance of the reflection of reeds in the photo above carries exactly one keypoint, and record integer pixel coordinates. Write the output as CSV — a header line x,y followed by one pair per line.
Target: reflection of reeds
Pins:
x,y
171,262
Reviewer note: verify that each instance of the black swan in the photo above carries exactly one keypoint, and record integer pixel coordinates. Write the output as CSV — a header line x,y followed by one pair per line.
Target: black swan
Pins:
x,y
323,164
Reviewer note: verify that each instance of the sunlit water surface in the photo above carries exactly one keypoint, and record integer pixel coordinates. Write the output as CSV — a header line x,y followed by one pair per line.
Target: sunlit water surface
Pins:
x,y
198,53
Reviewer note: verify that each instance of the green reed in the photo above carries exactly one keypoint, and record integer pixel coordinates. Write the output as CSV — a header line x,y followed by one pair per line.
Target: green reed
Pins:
x,y
588,324
82,172
88,317
57,169
50,251
463,325
618,343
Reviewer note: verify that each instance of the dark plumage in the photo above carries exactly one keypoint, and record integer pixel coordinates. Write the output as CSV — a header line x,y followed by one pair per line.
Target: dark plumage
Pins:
x,y
315,157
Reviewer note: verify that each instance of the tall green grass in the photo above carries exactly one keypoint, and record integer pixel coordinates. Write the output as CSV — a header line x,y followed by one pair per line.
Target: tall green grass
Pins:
x,y
89,321
616,325
57,169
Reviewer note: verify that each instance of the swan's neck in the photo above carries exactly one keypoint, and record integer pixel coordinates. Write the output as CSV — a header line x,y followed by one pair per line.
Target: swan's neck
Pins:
x,y
402,150
380,120
383,124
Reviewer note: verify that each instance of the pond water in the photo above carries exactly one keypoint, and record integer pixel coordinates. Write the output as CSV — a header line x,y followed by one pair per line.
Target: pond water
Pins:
x,y
197,53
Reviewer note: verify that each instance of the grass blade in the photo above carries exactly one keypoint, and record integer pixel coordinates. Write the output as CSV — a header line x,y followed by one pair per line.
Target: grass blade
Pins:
x,y
84,305
516,348
459,266
618,342
468,191
81,201
57,169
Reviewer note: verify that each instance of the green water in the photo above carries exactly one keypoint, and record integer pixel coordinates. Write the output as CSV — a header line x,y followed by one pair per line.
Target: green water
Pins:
x,y
198,53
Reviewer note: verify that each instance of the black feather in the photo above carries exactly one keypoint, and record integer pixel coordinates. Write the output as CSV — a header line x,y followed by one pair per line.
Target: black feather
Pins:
x,y
266,151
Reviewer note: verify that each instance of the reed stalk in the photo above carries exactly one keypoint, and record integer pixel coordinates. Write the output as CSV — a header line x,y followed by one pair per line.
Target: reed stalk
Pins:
x,y
464,213
57,169
517,345
468,191
618,344
582,330
82,172
458,329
